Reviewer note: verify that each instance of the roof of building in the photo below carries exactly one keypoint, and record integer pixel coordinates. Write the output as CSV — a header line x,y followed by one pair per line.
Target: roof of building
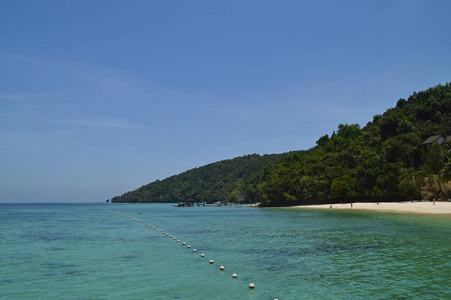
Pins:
x,y
433,139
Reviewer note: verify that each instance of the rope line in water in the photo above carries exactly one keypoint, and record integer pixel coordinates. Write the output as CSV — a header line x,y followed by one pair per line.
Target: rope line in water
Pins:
x,y
221,268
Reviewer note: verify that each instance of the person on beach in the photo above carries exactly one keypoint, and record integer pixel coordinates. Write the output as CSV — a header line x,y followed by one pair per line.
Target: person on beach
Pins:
x,y
351,204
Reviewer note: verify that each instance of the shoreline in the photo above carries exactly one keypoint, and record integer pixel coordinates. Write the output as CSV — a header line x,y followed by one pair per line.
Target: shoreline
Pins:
x,y
440,208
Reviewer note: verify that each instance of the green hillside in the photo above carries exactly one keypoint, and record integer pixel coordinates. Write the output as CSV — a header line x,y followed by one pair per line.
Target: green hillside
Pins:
x,y
233,180
384,161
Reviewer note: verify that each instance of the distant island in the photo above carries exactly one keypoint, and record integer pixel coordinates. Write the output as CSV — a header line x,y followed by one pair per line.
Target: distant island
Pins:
x,y
403,154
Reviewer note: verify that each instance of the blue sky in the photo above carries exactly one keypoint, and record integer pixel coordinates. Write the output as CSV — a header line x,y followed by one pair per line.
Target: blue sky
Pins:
x,y
100,97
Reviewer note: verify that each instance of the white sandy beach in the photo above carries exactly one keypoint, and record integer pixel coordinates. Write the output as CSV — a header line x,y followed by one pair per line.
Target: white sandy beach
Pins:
x,y
408,207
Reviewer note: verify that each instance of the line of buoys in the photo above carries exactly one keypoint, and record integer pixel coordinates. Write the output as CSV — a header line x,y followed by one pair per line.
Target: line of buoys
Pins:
x,y
221,268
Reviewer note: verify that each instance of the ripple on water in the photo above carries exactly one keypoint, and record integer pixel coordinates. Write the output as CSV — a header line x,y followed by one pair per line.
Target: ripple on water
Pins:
x,y
83,252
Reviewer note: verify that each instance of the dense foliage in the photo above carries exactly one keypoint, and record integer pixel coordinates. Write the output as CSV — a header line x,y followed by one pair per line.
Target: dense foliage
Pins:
x,y
385,160
233,180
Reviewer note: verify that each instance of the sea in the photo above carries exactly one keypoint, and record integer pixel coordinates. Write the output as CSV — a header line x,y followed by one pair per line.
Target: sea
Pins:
x,y
136,251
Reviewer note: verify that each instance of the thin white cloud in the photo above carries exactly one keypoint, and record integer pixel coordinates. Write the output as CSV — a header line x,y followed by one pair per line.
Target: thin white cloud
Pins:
x,y
18,97
117,124
10,56
89,78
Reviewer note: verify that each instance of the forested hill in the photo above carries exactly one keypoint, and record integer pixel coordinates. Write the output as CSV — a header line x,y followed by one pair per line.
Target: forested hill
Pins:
x,y
385,160
230,180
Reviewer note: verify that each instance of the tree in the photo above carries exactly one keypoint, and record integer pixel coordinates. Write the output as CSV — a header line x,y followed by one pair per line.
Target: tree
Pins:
x,y
343,187
402,148
434,162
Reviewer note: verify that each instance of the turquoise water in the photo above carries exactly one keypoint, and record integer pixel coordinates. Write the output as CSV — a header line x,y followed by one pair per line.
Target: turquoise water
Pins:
x,y
83,251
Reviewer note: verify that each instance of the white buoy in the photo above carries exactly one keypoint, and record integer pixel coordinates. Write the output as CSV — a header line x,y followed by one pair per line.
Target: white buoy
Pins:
x,y
178,241
170,236
221,268
202,255
194,250
234,275
251,285
211,261
188,246
183,243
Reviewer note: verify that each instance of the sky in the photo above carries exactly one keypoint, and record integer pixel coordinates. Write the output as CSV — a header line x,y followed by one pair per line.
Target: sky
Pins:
x,y
98,98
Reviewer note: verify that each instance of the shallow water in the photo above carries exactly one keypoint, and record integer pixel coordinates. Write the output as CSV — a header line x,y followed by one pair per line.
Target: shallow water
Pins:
x,y
83,251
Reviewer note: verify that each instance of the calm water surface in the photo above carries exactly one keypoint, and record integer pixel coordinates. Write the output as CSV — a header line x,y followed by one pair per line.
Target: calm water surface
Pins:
x,y
83,251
